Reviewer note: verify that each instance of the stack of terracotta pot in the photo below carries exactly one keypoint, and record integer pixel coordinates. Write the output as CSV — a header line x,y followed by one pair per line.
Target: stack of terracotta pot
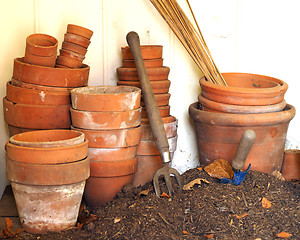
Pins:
x,y
110,118
250,101
47,170
74,47
38,94
148,156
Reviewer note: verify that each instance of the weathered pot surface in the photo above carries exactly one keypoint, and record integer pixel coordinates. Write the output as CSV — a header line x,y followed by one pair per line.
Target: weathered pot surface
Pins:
x,y
148,52
170,128
154,74
291,164
158,87
149,63
161,99
68,62
169,119
77,39
106,98
148,147
163,110
218,135
74,47
74,55
79,30
111,154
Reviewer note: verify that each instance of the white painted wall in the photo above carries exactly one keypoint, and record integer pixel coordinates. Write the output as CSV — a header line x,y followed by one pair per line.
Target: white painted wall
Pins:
x,y
243,35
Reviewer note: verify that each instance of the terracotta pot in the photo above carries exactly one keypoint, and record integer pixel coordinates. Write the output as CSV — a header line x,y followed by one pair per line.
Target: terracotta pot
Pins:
x,y
55,77
76,39
106,98
161,99
40,60
148,52
154,74
49,155
112,138
74,48
16,130
147,166
218,135
111,154
78,30
107,179
291,164
106,120
68,62
170,128
41,45
19,83
164,111
169,119
73,55
149,63
148,147
158,87
48,208
245,89
36,97
36,116
48,138
212,106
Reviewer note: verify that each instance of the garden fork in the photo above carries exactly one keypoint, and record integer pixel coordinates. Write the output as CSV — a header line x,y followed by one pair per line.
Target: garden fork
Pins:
x,y
154,117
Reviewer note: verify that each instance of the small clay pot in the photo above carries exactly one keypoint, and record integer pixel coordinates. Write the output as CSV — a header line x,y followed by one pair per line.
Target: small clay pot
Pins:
x,y
163,110
170,128
111,154
36,97
291,164
48,138
36,116
41,45
158,87
70,54
112,138
212,106
49,155
106,120
16,130
74,48
149,63
68,62
106,98
148,147
55,77
148,52
76,39
40,60
154,74
78,30
161,99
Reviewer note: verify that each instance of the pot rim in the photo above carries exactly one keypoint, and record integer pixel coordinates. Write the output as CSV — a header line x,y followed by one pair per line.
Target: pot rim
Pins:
x,y
105,90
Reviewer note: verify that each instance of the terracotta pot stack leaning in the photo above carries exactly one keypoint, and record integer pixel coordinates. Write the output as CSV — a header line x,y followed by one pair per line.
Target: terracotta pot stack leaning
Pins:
x,y
110,118
250,101
148,156
47,170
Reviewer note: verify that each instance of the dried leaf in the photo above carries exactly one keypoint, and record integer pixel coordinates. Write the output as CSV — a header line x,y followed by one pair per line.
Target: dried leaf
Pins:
x,y
283,234
7,232
164,195
265,203
220,168
278,175
144,192
116,220
192,183
82,220
185,232
209,236
79,225
240,216
200,169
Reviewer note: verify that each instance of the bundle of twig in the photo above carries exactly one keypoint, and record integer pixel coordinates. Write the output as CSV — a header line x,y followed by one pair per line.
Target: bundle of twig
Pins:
x,y
191,39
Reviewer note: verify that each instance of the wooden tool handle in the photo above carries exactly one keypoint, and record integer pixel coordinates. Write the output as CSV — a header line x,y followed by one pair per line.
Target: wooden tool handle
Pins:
x,y
153,113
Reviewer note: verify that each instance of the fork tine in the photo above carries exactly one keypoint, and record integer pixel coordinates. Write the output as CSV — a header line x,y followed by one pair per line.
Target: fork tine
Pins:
x,y
178,177
156,183
168,183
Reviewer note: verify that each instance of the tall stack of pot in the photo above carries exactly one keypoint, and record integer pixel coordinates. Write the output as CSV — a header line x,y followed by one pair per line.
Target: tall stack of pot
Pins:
x,y
250,101
148,156
110,118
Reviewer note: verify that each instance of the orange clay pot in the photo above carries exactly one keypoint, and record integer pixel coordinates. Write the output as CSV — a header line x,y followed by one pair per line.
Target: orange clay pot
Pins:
x,y
16,130
48,155
36,97
245,89
70,54
106,120
149,63
148,52
41,45
148,147
55,77
76,39
164,111
154,74
78,30
170,128
161,99
158,87
40,60
218,136
107,179
106,98
74,48
147,166
112,138
36,116
48,138
212,106
68,62
291,164
111,154
169,119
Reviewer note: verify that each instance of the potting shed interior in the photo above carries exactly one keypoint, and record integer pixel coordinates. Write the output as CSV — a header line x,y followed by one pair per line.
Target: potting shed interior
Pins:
x,y
257,37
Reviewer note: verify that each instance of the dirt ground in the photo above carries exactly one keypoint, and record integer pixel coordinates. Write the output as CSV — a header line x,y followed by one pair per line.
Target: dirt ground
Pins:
x,y
208,211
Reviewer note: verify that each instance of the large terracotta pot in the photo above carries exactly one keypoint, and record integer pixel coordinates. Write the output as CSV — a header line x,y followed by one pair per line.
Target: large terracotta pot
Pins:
x,y
158,87
245,89
154,74
291,164
148,52
218,135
